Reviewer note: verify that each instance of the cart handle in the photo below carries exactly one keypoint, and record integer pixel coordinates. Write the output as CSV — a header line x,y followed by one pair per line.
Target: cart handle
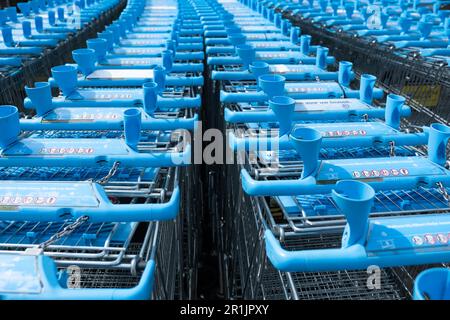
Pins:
x,y
57,207
385,242
44,270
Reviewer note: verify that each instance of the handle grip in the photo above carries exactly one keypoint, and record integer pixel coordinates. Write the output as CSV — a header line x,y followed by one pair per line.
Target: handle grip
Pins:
x,y
58,206
283,143
404,245
310,185
38,152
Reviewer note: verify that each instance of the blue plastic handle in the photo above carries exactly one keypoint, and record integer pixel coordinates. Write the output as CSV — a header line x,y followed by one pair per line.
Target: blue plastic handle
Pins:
x,y
43,271
59,206
361,249
409,172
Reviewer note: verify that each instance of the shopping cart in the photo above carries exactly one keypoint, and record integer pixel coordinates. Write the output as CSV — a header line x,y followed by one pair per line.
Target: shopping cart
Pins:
x,y
105,255
110,255
270,229
251,276
106,106
304,223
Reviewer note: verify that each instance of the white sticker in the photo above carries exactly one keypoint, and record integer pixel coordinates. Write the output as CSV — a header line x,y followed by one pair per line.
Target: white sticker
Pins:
x,y
356,174
429,238
54,150
417,240
18,200
442,238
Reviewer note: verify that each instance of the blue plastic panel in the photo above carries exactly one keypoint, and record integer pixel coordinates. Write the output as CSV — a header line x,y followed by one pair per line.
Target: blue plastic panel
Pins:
x,y
19,274
263,36
153,29
118,74
87,234
337,130
385,201
106,94
332,170
315,88
149,42
269,55
292,68
280,45
266,28
425,233
87,114
131,50
306,105
145,36
60,147
132,61
47,194
77,174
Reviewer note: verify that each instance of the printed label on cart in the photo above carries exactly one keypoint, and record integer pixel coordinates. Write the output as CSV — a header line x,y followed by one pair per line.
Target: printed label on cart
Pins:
x,y
163,14
154,29
380,173
155,51
47,194
308,89
135,42
120,74
261,44
105,94
342,130
150,62
344,133
274,55
273,44
378,168
59,147
86,114
413,232
146,35
260,28
287,68
256,37
329,105
153,22
168,8
252,21
19,274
